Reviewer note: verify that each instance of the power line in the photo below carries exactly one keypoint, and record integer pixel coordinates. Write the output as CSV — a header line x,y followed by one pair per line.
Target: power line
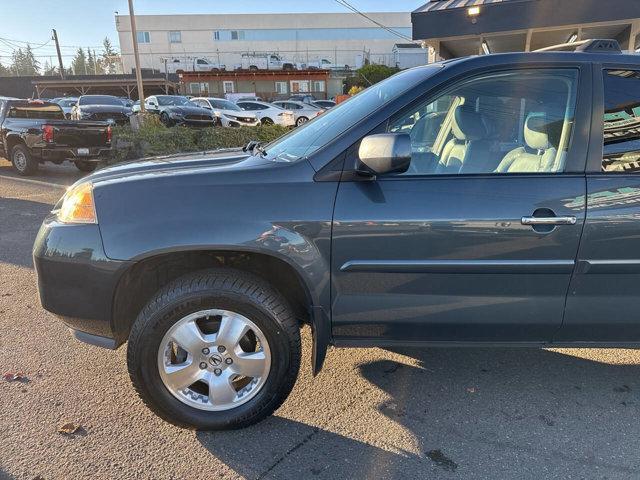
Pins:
x,y
347,5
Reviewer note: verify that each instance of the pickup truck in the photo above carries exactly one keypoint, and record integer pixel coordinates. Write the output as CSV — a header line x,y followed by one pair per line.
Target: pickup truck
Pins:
x,y
34,131
482,201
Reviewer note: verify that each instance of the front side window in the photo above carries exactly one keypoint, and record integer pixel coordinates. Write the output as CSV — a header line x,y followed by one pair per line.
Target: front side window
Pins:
x,y
143,37
621,149
502,123
175,37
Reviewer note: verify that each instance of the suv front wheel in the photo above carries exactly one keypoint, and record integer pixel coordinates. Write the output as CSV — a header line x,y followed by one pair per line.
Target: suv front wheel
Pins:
x,y
213,350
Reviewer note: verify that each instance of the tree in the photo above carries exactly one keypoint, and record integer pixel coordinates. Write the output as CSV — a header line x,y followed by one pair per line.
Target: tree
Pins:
x,y
91,63
369,75
79,63
110,58
17,62
4,71
49,70
31,64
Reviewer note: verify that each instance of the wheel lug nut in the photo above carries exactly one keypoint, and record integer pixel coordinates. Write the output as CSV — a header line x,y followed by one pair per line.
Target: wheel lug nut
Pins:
x,y
222,349
203,365
217,371
205,351
228,361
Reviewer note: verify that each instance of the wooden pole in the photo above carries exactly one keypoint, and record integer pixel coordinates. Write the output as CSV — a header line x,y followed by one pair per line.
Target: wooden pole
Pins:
x,y
134,35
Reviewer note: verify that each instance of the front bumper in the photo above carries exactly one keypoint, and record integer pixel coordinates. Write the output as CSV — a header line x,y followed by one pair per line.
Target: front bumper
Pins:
x,y
69,153
229,122
76,280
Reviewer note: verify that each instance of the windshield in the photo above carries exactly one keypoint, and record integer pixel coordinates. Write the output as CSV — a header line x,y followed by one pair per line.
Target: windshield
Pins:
x,y
166,100
99,100
224,105
315,134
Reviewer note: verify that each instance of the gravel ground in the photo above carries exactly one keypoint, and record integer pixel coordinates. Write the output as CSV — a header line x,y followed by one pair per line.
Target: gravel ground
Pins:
x,y
371,413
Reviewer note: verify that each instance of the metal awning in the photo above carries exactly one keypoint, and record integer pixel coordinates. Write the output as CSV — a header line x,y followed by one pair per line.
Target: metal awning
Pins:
x,y
450,18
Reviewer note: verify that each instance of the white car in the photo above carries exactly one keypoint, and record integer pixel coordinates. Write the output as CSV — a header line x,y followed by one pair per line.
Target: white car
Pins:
x,y
268,113
303,111
228,113
66,104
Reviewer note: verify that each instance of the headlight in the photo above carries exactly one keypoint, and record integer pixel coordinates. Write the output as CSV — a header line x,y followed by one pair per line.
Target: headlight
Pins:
x,y
176,115
78,206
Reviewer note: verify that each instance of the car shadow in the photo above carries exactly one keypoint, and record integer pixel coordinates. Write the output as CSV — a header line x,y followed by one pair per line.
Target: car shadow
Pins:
x,y
19,224
472,412
64,174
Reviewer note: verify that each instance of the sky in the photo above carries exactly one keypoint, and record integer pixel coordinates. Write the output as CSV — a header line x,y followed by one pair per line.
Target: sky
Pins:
x,y
85,23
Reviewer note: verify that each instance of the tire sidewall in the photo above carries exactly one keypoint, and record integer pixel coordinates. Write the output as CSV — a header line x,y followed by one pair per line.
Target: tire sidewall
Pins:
x,y
30,167
301,121
172,409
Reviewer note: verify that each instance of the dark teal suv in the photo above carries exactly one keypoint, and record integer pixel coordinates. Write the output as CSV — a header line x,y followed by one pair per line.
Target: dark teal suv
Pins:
x,y
492,200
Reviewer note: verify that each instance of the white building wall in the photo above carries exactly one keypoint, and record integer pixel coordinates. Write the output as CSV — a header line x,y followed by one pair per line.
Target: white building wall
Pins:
x,y
339,37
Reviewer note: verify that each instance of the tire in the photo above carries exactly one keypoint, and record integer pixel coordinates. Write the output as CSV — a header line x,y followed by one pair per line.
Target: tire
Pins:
x,y
22,160
224,290
301,121
267,121
85,166
164,118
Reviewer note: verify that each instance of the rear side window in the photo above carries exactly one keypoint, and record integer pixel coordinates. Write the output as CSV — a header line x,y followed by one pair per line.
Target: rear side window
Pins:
x,y
40,111
621,152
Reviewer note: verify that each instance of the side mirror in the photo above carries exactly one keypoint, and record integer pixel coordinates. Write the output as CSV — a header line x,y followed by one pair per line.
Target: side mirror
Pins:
x,y
385,153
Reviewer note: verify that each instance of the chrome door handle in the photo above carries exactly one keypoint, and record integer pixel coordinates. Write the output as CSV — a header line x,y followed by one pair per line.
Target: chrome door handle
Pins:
x,y
570,220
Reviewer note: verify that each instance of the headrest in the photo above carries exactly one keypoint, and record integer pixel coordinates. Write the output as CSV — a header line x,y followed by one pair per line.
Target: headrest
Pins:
x,y
469,124
537,130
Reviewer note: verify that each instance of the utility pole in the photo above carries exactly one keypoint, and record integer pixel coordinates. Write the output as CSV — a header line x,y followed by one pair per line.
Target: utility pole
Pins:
x,y
60,65
134,35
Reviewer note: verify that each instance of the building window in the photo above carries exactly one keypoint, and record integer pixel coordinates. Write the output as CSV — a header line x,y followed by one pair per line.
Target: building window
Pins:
x,y
299,86
194,88
281,88
237,34
318,86
175,37
216,35
143,37
228,87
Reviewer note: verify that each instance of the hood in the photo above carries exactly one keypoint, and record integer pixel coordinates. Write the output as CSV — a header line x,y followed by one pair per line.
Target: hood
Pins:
x,y
237,113
105,109
200,162
185,110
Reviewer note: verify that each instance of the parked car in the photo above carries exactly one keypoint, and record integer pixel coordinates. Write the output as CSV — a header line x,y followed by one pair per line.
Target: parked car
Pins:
x,y
135,108
227,113
324,104
516,224
193,64
178,110
33,132
325,64
303,111
239,97
264,61
302,97
67,104
101,107
268,113
127,102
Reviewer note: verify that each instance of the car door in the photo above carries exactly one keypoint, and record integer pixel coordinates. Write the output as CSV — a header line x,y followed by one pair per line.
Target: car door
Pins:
x,y
477,241
602,305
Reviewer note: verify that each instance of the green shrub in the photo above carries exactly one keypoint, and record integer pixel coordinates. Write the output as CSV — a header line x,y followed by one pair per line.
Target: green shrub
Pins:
x,y
153,139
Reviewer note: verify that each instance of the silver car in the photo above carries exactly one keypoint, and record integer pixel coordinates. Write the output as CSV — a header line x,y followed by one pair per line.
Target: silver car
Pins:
x,y
303,112
227,113
66,104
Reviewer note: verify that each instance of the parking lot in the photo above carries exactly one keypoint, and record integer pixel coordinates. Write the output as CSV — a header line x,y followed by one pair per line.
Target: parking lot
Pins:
x,y
371,413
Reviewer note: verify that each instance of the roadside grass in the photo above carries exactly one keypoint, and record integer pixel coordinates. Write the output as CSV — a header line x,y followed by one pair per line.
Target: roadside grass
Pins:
x,y
153,138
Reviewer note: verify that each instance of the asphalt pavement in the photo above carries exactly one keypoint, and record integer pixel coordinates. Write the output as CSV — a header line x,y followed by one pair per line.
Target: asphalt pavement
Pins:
x,y
449,413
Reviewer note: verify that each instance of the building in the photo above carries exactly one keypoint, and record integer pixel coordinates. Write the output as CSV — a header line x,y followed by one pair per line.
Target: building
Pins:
x,y
455,28
341,38
407,55
268,85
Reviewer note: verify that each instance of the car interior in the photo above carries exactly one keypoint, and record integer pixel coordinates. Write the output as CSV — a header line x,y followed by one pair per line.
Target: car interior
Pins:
x,y
506,123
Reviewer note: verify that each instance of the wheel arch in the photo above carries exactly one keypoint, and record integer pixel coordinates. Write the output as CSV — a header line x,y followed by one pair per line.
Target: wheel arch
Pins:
x,y
150,272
